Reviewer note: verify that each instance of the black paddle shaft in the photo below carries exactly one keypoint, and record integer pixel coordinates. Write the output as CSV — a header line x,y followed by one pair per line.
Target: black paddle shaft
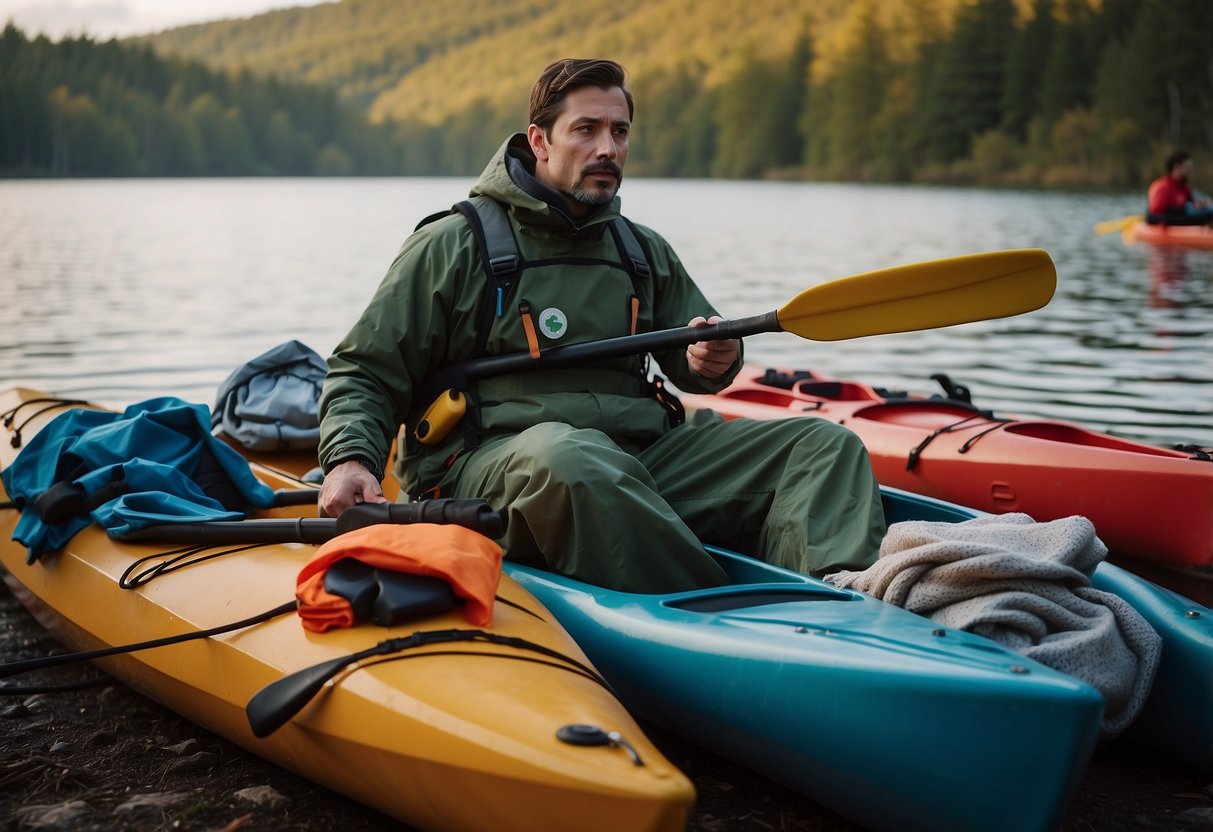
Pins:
x,y
473,514
458,375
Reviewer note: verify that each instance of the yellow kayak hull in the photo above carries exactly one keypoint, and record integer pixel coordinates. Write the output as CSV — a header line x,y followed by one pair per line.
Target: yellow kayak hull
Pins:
x,y
458,736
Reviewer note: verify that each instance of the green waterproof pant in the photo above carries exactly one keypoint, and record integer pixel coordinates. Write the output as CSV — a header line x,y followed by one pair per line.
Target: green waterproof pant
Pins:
x,y
799,493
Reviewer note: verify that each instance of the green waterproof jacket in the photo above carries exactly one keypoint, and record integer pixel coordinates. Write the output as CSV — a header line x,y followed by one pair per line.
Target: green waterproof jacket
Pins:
x,y
573,286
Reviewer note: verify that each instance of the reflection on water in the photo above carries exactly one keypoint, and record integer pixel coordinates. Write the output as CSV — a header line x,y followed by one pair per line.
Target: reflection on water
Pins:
x,y
1171,275
120,290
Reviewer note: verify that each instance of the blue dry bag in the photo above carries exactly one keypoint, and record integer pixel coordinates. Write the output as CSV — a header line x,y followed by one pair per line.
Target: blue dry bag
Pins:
x,y
156,462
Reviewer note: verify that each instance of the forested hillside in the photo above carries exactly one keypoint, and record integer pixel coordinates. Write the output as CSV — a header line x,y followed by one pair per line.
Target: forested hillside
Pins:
x,y
79,108
431,60
1055,92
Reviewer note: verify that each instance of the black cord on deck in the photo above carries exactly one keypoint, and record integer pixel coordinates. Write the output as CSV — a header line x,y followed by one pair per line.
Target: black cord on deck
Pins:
x,y
13,668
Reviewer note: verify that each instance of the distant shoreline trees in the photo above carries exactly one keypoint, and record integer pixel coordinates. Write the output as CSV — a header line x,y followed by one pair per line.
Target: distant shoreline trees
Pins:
x,y
81,108
1054,93
1071,95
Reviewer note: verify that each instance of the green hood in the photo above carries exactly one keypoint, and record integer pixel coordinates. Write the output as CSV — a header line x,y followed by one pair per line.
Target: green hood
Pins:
x,y
510,178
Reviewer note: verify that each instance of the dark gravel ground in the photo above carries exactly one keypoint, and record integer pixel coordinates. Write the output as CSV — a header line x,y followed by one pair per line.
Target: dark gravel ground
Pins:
x,y
105,758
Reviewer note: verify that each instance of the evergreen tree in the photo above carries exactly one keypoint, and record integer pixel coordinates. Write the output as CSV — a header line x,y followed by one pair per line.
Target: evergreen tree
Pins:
x,y
1166,85
675,131
470,138
898,127
1028,53
746,119
967,83
924,80
858,91
1066,81
790,101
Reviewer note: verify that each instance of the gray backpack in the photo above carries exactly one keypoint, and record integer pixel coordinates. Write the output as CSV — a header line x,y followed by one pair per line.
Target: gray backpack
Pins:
x,y
272,403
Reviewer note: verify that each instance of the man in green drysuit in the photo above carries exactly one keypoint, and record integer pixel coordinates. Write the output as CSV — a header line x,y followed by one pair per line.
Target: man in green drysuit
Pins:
x,y
599,482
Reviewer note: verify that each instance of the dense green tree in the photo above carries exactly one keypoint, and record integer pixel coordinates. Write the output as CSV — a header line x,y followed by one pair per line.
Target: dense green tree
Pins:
x,y
913,36
85,141
742,120
793,100
858,89
470,139
1161,79
756,115
1065,82
1028,53
675,133
229,151
421,147
699,139
921,129
966,91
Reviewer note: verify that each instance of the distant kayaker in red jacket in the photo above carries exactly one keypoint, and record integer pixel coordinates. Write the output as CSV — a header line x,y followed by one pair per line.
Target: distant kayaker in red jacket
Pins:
x,y
1171,201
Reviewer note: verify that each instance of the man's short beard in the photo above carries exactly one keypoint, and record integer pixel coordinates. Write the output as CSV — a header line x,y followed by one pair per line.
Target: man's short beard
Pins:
x,y
592,196
596,196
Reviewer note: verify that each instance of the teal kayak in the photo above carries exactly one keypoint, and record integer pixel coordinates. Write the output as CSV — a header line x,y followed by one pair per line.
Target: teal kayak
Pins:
x,y
869,709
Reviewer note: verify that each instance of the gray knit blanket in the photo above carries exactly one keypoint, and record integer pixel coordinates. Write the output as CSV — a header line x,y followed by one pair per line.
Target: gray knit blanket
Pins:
x,y
1027,586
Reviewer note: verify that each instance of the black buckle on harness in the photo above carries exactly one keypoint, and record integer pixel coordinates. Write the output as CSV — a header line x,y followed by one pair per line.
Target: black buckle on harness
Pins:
x,y
506,264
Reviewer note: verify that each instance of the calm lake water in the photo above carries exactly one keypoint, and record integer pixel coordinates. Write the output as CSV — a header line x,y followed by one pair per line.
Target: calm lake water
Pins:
x,y
122,290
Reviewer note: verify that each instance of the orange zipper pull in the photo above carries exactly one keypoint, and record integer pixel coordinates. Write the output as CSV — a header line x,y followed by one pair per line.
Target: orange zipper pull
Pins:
x,y
528,324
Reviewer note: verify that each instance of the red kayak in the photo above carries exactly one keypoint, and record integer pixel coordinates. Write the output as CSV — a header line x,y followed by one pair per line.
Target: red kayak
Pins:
x,y
1192,236
1147,502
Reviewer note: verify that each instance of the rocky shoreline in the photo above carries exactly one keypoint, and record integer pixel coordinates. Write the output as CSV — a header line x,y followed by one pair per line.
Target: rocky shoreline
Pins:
x,y
105,758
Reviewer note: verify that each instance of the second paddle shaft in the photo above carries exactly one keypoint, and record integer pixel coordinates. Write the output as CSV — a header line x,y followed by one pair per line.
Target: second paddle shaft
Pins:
x,y
446,411
663,339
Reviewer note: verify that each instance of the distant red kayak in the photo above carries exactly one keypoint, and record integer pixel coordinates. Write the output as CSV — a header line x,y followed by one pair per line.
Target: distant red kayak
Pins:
x,y
1147,502
1192,236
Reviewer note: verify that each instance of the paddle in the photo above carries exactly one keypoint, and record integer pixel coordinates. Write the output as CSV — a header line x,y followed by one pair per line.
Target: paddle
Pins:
x,y
1110,226
474,514
927,295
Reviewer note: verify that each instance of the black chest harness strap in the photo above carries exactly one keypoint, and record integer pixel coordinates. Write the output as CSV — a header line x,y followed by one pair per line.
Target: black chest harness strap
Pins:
x,y
490,225
489,222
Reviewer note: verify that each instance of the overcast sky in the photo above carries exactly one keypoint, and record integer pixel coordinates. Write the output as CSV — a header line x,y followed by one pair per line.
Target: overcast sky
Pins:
x,y
103,19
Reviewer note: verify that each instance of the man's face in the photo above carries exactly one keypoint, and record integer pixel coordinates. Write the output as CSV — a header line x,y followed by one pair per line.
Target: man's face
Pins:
x,y
583,157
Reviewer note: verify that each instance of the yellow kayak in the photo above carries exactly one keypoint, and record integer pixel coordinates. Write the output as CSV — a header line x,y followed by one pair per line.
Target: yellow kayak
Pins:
x,y
447,736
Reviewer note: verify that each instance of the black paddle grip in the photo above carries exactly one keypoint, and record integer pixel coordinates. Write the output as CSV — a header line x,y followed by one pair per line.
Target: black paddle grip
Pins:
x,y
476,515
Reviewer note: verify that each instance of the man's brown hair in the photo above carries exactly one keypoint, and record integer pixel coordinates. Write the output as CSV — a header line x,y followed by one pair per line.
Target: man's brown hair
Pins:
x,y
562,77
1176,157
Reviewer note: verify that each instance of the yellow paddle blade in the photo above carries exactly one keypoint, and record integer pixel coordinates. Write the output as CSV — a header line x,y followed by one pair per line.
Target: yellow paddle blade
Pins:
x,y
955,290
1109,226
